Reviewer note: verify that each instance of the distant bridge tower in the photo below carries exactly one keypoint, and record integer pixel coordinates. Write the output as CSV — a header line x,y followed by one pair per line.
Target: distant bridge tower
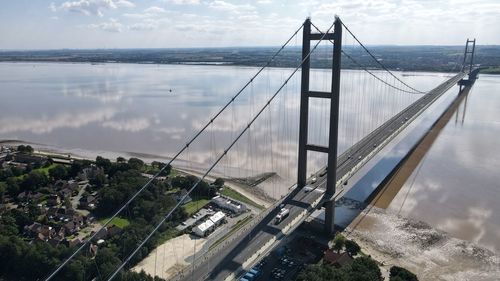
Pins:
x,y
469,62
334,95
469,51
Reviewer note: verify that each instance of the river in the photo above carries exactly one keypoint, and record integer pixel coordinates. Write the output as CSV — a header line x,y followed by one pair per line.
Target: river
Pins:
x,y
150,111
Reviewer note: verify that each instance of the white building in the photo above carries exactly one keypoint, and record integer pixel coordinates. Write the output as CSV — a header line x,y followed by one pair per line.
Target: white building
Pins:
x,y
204,228
218,218
228,204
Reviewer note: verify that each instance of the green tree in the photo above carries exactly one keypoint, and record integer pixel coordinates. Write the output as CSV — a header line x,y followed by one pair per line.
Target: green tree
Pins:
x,y
219,182
3,190
58,172
25,148
136,163
352,247
34,180
401,274
12,186
103,163
338,242
321,272
363,269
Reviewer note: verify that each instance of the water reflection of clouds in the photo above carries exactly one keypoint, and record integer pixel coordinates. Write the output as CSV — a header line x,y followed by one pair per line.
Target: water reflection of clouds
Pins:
x,y
45,125
130,125
456,188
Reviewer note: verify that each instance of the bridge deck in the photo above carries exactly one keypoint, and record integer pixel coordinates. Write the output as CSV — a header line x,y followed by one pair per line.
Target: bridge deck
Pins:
x,y
228,262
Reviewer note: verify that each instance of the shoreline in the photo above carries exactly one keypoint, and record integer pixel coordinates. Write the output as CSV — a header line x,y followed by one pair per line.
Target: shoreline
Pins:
x,y
429,253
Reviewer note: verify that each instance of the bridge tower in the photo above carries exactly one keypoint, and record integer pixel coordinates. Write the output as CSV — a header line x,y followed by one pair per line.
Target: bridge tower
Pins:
x,y
469,51
469,62
333,95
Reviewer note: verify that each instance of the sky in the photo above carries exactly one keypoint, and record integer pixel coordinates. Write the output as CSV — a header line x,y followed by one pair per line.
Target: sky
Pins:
x,y
81,24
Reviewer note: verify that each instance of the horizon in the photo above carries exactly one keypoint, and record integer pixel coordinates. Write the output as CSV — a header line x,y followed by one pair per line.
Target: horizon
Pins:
x,y
180,24
230,47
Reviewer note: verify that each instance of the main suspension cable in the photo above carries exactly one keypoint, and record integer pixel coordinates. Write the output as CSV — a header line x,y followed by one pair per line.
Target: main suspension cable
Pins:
x,y
172,159
371,73
113,275
377,61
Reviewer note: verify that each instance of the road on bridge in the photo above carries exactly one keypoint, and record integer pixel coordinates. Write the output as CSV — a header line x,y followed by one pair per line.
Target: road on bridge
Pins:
x,y
230,261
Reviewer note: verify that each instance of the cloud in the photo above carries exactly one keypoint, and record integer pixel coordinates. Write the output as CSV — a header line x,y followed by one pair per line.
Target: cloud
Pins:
x,y
155,10
171,130
130,125
53,7
183,2
232,8
146,25
111,26
92,7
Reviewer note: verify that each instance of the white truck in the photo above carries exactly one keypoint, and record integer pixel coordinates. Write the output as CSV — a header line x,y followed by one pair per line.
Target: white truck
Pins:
x,y
284,212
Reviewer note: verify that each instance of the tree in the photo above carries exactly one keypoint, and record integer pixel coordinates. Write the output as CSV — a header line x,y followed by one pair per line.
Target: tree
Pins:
x,y
167,170
219,182
77,166
121,160
363,269
3,189
135,163
401,274
338,242
103,163
352,247
58,172
25,148
321,272
34,180
12,186
5,174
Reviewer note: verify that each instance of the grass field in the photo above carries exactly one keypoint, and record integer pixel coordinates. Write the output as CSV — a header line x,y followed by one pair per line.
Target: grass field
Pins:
x,y
193,206
120,222
231,193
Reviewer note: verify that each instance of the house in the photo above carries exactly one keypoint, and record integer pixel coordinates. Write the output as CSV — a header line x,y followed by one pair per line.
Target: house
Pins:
x,y
87,202
69,185
27,196
53,200
337,259
29,159
90,173
40,231
71,228
101,234
65,193
229,204
180,194
73,242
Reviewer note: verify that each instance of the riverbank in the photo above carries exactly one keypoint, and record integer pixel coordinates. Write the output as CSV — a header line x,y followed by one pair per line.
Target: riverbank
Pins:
x,y
431,254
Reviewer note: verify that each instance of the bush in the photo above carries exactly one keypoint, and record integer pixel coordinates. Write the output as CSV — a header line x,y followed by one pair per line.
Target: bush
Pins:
x,y
398,273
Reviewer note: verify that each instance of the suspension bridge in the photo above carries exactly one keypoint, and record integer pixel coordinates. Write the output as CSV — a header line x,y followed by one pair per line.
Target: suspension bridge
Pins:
x,y
352,130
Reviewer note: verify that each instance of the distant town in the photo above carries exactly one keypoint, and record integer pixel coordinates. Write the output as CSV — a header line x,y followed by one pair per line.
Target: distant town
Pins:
x,y
404,58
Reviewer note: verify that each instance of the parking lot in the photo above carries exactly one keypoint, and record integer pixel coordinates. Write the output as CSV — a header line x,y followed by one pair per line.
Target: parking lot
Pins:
x,y
286,261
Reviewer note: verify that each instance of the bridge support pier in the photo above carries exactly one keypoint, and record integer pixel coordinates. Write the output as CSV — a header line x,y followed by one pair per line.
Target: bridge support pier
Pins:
x,y
334,95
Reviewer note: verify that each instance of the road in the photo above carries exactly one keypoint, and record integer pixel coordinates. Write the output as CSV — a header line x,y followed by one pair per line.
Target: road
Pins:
x,y
227,263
